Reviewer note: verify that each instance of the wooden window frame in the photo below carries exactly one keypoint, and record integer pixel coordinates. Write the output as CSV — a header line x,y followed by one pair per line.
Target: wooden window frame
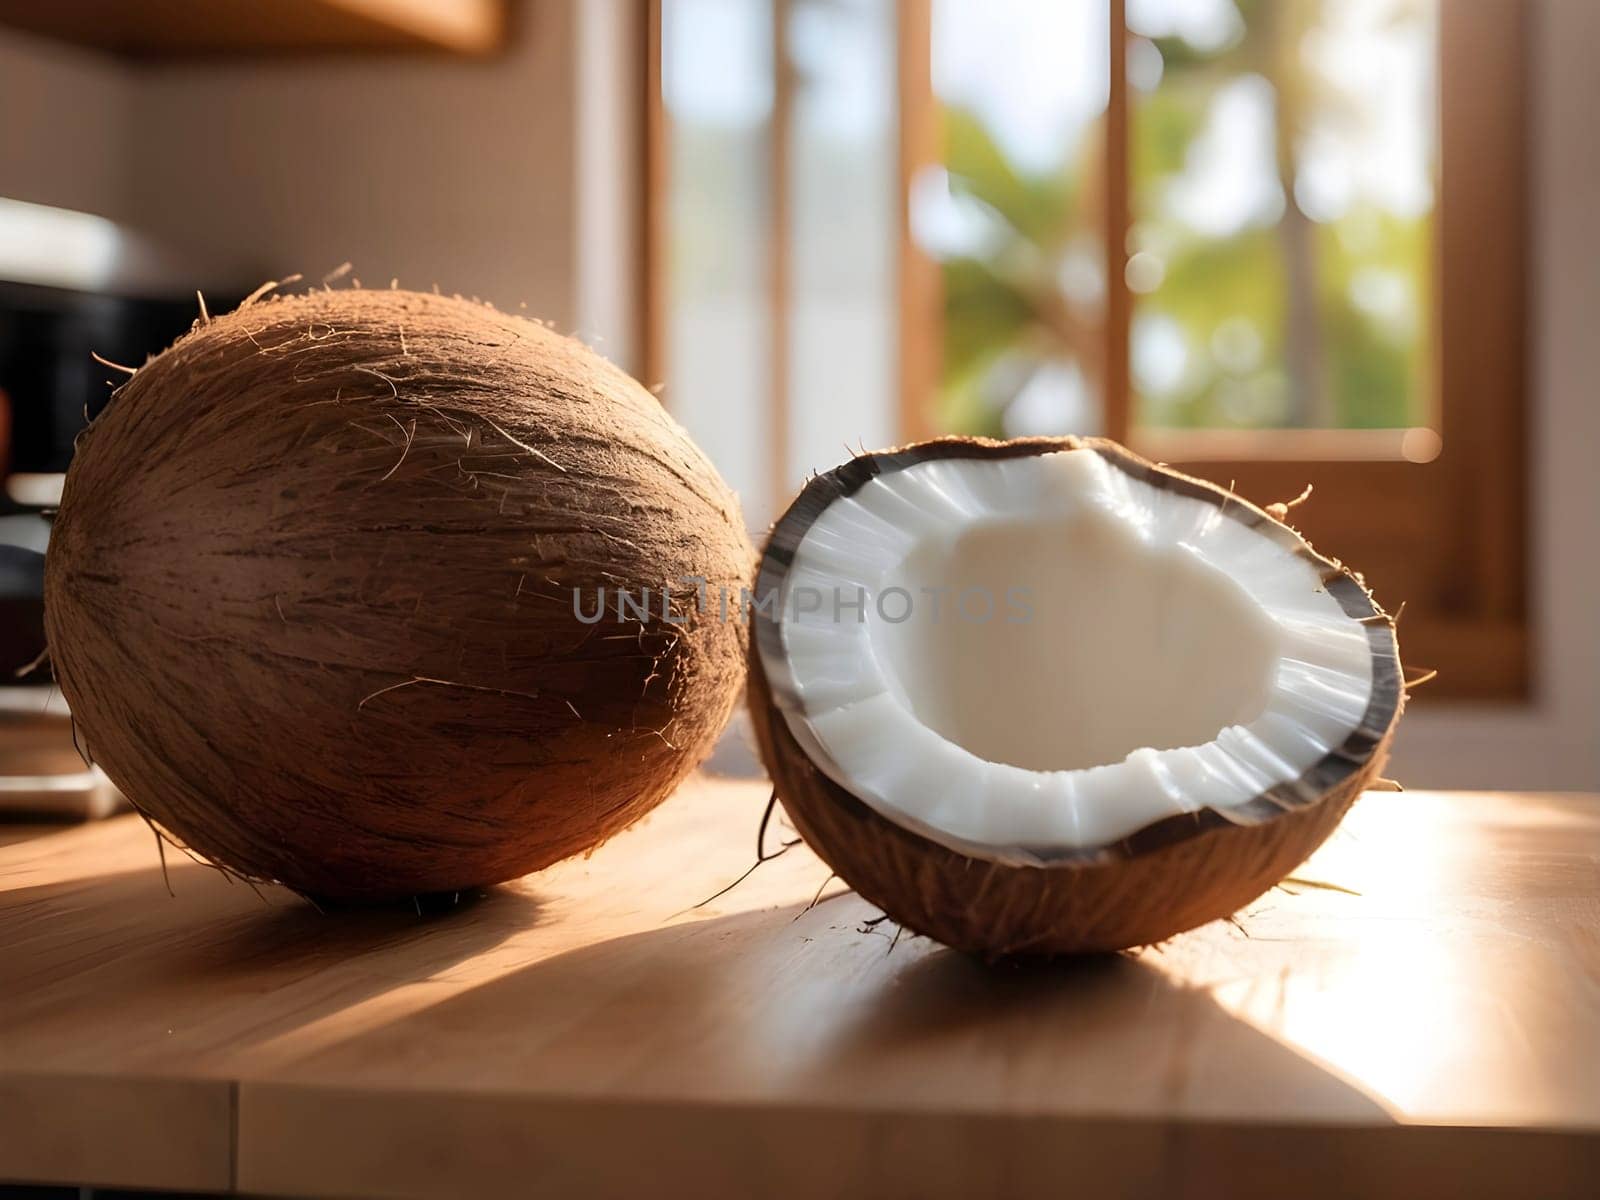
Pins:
x,y
1461,517
1450,533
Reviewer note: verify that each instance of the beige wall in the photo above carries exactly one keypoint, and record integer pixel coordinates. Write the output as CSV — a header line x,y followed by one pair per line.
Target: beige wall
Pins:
x,y
434,171
506,179
63,138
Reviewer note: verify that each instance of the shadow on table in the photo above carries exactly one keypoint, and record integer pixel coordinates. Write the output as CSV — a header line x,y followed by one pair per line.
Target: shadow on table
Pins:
x,y
796,1006
782,1003
186,953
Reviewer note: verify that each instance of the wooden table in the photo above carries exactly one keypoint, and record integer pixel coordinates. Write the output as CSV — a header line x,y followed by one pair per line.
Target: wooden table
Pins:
x,y
1432,1030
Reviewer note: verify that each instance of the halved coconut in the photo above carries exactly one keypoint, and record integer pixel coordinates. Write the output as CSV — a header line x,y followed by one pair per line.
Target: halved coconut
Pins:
x,y
1043,696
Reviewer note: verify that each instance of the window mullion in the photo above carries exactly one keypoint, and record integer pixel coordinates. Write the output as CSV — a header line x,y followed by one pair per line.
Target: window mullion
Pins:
x,y
920,285
1116,402
780,240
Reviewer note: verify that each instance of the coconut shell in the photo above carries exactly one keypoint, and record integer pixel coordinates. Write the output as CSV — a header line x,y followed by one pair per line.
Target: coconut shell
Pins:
x,y
315,594
1171,876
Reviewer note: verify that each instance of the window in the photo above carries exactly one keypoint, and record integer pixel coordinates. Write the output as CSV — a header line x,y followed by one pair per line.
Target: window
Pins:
x,y
1276,242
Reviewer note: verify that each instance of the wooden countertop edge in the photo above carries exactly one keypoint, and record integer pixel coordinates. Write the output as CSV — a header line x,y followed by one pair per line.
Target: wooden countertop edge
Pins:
x,y
310,1139
118,1131
374,1144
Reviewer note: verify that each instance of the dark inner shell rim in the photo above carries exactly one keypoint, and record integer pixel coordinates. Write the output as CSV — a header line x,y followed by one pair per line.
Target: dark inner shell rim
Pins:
x,y
1323,776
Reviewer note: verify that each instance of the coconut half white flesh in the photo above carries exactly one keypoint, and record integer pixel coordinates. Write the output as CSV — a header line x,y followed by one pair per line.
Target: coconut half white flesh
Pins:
x,y
1033,658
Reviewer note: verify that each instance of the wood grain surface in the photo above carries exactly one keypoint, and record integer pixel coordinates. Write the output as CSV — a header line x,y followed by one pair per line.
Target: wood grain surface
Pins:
x,y
1427,1023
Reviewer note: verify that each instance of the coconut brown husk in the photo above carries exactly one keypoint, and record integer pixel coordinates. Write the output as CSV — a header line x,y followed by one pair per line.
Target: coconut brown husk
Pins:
x,y
1174,875
311,594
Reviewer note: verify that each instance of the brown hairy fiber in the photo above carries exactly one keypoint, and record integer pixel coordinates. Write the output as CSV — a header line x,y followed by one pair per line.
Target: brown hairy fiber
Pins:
x,y
311,594
1174,875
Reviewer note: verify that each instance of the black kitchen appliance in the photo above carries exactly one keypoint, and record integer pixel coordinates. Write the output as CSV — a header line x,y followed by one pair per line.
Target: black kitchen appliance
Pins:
x,y
50,385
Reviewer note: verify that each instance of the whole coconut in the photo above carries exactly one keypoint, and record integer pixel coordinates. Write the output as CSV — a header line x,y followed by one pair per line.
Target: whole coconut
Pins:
x,y
324,588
